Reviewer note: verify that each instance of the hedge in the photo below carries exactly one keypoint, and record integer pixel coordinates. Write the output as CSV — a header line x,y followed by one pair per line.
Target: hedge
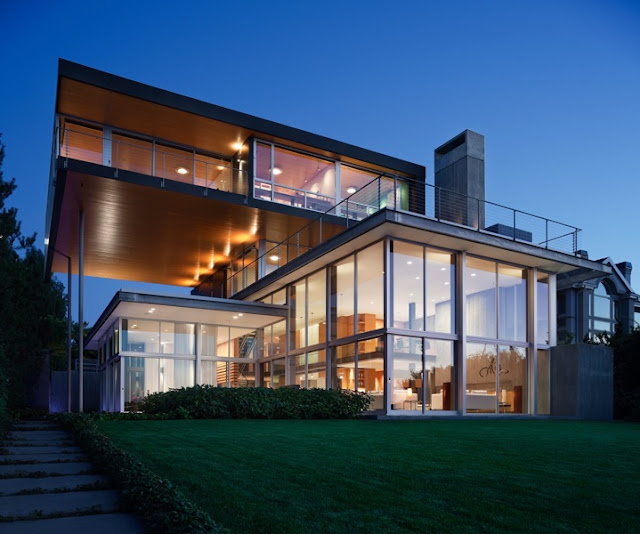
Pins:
x,y
210,402
159,506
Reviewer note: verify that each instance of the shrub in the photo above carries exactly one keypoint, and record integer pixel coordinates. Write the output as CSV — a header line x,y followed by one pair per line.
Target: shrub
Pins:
x,y
210,402
160,507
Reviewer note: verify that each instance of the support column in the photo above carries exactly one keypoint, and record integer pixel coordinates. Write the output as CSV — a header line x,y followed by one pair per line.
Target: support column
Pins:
x,y
80,311
461,330
532,329
69,322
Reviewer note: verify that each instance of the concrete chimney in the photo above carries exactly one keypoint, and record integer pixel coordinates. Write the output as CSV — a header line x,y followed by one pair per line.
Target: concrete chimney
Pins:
x,y
459,173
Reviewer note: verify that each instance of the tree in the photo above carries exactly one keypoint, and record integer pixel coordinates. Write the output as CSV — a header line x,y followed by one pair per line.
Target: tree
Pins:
x,y
32,310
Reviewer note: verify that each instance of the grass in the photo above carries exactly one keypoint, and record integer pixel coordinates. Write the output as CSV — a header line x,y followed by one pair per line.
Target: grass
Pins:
x,y
398,476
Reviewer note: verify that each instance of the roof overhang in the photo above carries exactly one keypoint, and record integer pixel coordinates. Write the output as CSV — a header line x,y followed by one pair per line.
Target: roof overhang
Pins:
x,y
139,229
188,309
104,98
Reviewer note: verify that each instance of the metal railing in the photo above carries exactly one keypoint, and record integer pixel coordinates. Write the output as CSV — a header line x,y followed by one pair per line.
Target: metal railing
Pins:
x,y
421,199
152,158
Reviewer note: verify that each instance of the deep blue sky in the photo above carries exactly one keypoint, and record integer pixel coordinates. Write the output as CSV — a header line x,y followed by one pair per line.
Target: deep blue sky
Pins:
x,y
553,85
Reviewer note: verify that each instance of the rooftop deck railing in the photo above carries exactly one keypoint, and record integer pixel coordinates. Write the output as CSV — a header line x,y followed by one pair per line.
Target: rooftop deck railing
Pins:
x,y
415,198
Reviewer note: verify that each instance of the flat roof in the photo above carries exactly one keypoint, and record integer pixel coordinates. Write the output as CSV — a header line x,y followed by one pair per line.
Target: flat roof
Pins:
x,y
181,308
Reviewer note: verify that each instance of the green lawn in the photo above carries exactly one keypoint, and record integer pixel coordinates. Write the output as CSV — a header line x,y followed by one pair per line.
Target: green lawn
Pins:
x,y
398,476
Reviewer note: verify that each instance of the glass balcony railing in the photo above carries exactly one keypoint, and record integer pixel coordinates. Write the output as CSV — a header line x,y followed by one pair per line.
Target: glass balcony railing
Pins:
x,y
152,158
420,199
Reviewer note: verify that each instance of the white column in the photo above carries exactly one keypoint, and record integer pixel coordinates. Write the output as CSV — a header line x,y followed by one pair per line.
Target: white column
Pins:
x,y
461,329
80,310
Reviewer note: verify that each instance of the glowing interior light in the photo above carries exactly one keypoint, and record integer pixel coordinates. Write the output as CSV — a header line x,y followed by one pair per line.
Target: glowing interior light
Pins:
x,y
276,171
351,190
237,145
274,257
182,170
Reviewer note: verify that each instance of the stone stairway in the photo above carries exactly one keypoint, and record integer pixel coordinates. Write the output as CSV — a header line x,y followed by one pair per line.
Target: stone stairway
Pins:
x,y
47,485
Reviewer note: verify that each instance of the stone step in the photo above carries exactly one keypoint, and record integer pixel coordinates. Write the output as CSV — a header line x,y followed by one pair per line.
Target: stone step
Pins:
x,y
48,443
16,459
9,486
38,435
42,450
66,468
28,425
27,506
101,523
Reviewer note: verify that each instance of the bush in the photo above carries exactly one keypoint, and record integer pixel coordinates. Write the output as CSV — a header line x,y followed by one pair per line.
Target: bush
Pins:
x,y
4,394
160,507
210,402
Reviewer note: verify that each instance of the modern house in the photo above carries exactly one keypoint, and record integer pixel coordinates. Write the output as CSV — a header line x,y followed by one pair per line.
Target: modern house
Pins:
x,y
312,262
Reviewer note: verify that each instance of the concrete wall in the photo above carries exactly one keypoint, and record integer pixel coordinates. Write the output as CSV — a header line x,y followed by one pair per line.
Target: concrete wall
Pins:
x,y
582,381
58,392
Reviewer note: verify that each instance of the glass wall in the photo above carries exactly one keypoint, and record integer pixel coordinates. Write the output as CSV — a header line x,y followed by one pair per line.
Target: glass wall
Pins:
x,y
309,370
497,379
145,375
370,290
274,373
422,375
159,337
480,289
408,285
342,298
411,278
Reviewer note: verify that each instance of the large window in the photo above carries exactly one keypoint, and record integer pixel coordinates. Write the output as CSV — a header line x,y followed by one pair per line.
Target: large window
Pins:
x,y
542,320
309,370
422,375
411,279
294,178
602,311
504,317
369,294
158,337
145,375
496,379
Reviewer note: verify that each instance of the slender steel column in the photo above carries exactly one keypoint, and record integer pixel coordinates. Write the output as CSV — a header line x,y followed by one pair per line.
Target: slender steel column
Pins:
x,y
80,311
69,334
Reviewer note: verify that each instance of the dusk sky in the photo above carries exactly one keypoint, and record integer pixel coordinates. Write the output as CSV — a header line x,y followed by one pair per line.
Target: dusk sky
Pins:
x,y
554,86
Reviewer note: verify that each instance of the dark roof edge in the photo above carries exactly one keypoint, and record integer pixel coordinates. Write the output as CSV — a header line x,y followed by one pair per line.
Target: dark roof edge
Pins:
x,y
82,73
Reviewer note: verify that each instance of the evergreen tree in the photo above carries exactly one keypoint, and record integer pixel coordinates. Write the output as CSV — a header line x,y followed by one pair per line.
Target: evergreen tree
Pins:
x,y
32,310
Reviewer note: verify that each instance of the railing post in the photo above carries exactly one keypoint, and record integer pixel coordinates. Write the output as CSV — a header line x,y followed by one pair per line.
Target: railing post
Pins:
x,y
546,237
395,192
380,193
514,224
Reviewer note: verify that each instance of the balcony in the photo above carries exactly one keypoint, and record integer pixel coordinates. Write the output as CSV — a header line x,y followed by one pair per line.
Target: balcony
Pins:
x,y
150,157
423,200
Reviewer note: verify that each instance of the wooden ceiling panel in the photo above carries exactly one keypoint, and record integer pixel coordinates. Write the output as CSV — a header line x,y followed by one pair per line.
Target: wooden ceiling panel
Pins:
x,y
149,234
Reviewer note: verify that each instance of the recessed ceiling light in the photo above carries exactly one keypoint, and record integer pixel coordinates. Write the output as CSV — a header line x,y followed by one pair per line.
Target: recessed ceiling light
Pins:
x,y
443,269
240,314
220,168
237,145
182,170
417,278
446,283
235,316
274,257
351,190
409,263
473,274
276,171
